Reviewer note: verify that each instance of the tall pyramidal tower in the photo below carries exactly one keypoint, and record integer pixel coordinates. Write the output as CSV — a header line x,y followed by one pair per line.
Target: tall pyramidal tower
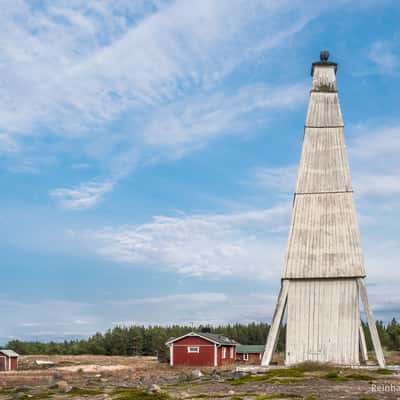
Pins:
x,y
324,273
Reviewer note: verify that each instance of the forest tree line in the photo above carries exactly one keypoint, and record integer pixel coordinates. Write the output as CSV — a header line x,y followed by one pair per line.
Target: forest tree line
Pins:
x,y
150,340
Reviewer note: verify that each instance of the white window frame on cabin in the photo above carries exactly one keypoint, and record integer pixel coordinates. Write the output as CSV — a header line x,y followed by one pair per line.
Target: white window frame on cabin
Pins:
x,y
231,352
193,349
224,352
245,356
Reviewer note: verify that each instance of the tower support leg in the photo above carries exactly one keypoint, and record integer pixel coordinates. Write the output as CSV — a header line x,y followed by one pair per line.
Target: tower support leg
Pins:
x,y
363,345
273,333
371,323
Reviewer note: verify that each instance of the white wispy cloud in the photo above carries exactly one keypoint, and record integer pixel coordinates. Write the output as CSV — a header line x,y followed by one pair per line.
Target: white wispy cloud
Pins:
x,y
199,245
378,185
179,128
374,159
375,142
191,124
8,144
202,297
41,319
160,55
70,70
385,55
86,195
276,179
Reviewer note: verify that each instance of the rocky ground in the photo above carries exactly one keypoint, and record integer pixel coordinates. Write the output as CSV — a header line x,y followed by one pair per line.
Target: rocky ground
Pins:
x,y
134,378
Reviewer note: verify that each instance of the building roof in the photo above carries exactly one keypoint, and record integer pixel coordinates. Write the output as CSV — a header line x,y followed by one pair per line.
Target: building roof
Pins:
x,y
250,348
9,353
219,338
212,337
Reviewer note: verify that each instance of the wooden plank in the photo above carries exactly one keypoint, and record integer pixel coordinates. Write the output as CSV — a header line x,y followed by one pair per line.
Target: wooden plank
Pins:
x,y
371,323
363,345
273,333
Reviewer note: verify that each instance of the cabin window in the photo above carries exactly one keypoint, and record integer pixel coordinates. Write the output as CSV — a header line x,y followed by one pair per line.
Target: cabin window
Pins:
x,y
231,352
193,349
246,356
224,352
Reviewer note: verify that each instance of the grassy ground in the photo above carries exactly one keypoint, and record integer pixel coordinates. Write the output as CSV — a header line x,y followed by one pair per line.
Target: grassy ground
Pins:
x,y
129,378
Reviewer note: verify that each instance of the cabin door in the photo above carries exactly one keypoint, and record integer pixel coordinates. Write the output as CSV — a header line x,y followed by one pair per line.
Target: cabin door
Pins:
x,y
2,364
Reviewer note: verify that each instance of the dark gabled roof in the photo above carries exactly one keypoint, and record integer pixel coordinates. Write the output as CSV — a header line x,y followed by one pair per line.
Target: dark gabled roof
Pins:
x,y
220,339
212,337
250,348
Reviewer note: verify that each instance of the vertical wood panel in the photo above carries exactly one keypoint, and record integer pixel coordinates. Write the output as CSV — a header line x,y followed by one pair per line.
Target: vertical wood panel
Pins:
x,y
324,315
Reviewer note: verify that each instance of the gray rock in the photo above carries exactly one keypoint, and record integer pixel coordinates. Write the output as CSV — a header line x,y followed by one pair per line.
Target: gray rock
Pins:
x,y
23,387
58,377
63,386
226,374
154,389
183,377
18,395
54,378
237,374
196,373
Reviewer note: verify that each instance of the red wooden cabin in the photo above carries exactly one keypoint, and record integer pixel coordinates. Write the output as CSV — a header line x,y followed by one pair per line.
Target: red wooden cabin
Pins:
x,y
202,349
251,354
8,360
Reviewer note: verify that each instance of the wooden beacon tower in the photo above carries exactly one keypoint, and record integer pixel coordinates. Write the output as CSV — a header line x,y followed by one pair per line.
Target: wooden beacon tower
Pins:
x,y
324,273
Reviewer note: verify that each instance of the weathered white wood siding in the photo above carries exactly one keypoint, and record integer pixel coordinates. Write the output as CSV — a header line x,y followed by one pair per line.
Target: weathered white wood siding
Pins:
x,y
324,110
324,241
323,165
323,261
323,321
324,79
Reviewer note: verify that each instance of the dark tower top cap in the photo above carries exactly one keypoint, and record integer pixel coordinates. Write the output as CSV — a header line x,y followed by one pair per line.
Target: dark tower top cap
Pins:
x,y
323,56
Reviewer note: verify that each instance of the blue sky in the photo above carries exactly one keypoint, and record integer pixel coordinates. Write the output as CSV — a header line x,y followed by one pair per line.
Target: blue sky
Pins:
x,y
148,155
